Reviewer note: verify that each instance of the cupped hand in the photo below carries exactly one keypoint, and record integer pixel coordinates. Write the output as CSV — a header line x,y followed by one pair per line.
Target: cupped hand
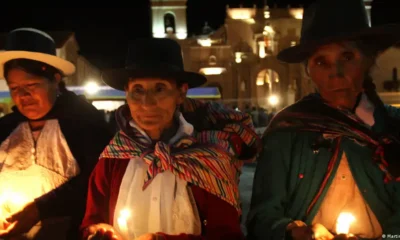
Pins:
x,y
20,222
321,232
301,233
102,231
316,231
147,236
345,237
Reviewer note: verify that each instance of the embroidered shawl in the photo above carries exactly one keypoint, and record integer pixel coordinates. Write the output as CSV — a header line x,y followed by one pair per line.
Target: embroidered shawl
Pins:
x,y
312,114
206,159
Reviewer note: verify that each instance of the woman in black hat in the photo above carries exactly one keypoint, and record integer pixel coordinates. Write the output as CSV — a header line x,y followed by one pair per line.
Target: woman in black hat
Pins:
x,y
330,162
172,170
49,144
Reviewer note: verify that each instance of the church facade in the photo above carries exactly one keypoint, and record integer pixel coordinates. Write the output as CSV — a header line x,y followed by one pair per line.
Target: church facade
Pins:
x,y
240,57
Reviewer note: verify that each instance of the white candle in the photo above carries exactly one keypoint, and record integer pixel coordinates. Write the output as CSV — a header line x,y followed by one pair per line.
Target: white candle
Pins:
x,y
343,223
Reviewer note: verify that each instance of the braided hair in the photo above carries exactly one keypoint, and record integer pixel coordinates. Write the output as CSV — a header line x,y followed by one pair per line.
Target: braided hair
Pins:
x,y
392,124
371,52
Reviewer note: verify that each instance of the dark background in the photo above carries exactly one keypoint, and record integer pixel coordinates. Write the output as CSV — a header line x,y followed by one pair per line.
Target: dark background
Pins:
x,y
104,33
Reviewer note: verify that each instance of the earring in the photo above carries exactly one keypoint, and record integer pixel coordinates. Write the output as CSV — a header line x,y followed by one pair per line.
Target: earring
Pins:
x,y
58,92
178,109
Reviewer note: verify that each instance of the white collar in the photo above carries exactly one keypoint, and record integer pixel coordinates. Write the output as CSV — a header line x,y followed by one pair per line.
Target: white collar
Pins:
x,y
185,129
365,110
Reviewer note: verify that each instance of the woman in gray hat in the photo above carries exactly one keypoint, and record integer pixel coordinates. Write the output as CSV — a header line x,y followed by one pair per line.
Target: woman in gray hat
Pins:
x,y
330,165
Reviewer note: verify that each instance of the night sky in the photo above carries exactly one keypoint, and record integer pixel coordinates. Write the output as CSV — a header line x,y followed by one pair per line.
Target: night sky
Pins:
x,y
104,33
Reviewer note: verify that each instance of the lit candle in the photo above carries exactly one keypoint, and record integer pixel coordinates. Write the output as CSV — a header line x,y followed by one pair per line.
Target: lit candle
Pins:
x,y
124,215
10,202
343,223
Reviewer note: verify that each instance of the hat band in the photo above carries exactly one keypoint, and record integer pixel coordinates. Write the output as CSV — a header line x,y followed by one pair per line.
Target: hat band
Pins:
x,y
30,41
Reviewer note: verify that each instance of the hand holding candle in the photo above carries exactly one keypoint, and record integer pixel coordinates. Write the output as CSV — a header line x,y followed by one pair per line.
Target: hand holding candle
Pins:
x,y
105,231
21,221
343,224
102,231
10,203
320,232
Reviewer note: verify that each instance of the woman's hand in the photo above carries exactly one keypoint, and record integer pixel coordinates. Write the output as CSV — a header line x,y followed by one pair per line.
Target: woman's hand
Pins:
x,y
301,233
345,237
320,232
147,236
20,222
316,231
150,236
3,224
102,231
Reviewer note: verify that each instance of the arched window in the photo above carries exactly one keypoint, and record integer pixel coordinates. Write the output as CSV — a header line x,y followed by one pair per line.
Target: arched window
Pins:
x,y
169,23
212,60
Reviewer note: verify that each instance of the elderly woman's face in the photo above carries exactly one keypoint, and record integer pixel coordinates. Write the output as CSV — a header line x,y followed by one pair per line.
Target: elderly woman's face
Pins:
x,y
338,70
34,96
153,101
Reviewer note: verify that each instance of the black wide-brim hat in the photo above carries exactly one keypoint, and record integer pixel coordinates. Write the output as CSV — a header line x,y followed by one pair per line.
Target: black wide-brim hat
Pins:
x,y
33,44
153,58
329,21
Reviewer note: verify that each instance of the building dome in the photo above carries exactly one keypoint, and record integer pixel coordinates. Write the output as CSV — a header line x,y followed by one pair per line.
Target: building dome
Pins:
x,y
206,30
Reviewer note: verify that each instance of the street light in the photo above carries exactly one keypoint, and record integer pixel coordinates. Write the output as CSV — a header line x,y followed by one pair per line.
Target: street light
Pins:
x,y
273,100
238,57
212,70
92,87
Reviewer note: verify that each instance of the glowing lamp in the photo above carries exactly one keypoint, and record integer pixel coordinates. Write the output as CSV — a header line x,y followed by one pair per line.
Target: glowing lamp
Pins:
x,y
204,42
92,88
10,202
343,223
124,215
273,100
212,70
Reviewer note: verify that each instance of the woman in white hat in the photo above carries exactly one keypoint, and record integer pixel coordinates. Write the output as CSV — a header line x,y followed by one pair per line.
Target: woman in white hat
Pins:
x,y
49,144
330,162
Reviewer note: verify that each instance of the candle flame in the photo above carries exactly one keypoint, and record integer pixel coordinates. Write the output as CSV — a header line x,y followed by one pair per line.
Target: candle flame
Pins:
x,y
10,202
124,214
343,223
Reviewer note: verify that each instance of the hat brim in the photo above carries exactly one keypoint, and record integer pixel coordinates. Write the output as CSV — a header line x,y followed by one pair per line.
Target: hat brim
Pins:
x,y
66,67
383,37
118,78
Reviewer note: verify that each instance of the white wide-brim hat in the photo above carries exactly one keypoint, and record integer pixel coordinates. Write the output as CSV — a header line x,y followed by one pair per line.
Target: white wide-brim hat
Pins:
x,y
33,44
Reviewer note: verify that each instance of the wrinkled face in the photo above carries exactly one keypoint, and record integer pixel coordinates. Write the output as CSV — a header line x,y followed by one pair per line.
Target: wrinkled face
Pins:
x,y
34,96
152,102
338,71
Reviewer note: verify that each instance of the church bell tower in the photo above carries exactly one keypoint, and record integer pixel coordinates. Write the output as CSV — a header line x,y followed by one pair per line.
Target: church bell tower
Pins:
x,y
368,9
169,18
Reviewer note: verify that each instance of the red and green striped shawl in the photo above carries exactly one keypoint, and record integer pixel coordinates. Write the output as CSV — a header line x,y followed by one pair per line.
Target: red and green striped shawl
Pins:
x,y
313,115
207,159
